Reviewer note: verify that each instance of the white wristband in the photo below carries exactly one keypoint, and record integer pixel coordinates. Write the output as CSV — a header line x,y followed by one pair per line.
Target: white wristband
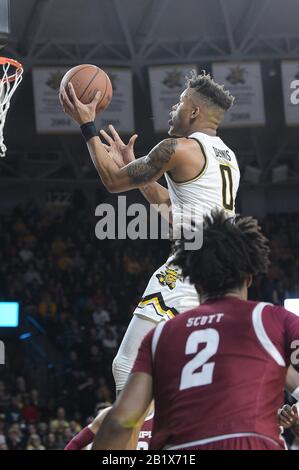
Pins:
x,y
295,393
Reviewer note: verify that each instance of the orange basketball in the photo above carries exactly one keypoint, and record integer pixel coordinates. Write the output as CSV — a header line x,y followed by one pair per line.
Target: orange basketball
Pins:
x,y
87,80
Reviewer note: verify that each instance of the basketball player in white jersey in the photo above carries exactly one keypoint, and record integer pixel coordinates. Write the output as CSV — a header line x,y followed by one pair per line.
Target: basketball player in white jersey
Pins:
x,y
200,170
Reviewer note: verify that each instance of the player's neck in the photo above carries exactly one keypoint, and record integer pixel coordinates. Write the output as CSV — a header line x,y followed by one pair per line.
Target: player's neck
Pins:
x,y
206,128
241,294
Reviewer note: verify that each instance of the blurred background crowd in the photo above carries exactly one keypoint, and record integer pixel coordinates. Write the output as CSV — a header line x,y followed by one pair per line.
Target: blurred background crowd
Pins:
x,y
77,295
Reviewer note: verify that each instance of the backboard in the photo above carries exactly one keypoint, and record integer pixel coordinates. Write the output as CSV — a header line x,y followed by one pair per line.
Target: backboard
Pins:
x,y
4,22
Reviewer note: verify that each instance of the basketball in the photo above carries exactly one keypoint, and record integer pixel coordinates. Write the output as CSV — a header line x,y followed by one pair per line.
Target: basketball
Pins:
x,y
87,80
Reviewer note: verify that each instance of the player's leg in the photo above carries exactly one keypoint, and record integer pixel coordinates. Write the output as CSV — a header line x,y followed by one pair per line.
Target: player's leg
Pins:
x,y
122,366
127,352
152,309
125,358
166,295
149,312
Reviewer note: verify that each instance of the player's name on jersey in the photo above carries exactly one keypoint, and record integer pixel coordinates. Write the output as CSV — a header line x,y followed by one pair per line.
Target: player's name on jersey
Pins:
x,y
222,154
204,319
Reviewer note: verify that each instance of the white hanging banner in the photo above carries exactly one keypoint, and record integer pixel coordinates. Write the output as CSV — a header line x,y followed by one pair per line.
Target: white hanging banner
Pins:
x,y
244,81
120,111
50,117
167,83
290,86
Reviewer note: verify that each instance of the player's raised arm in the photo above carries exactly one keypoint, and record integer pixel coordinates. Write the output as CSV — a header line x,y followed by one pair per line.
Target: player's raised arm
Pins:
x,y
147,169
123,153
134,175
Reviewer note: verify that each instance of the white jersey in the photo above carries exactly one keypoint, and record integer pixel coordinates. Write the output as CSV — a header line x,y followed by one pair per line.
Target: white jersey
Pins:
x,y
167,293
215,186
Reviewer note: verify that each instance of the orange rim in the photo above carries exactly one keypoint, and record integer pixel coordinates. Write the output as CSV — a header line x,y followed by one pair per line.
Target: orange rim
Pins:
x,y
14,63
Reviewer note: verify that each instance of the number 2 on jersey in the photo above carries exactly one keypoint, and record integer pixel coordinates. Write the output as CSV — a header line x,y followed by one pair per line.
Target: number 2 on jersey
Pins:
x,y
189,378
227,187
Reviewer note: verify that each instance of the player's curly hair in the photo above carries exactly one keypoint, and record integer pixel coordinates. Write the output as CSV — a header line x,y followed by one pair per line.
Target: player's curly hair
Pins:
x,y
233,249
212,92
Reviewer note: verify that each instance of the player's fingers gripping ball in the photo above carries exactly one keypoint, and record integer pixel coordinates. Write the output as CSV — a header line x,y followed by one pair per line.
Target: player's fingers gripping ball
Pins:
x,y
87,80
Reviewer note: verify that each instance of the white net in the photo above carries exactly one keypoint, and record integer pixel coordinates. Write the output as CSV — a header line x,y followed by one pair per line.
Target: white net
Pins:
x,y
11,77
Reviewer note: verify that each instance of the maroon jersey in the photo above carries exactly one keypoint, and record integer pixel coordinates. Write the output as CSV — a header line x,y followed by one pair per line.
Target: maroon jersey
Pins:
x,y
145,433
219,372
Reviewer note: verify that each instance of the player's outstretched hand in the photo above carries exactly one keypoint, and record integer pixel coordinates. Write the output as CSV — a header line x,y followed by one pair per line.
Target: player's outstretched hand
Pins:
x,y
79,112
288,416
121,153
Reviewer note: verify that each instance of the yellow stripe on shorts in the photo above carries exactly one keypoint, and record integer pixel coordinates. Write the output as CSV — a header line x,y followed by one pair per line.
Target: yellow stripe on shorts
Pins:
x,y
158,303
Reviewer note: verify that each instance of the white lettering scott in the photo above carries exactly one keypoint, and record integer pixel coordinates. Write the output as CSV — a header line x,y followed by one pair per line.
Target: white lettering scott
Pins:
x,y
203,320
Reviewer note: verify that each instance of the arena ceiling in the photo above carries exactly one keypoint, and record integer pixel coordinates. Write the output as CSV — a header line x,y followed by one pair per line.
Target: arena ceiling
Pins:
x,y
139,33
142,32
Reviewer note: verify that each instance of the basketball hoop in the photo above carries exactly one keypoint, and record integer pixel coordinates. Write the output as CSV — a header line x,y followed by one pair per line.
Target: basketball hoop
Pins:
x,y
10,77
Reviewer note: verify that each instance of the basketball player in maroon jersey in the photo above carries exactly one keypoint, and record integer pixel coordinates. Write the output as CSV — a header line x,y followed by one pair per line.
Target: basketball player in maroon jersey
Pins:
x,y
216,372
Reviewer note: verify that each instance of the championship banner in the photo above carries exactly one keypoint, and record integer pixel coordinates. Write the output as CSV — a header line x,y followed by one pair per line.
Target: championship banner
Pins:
x,y
167,83
50,118
290,86
120,111
244,81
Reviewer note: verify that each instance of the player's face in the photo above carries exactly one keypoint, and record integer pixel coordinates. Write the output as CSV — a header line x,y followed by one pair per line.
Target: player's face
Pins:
x,y
179,122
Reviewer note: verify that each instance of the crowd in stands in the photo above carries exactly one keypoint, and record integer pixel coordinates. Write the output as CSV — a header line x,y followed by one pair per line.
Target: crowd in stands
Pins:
x,y
79,293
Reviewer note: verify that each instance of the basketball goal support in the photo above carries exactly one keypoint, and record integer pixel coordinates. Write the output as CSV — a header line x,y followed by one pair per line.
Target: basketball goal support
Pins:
x,y
12,74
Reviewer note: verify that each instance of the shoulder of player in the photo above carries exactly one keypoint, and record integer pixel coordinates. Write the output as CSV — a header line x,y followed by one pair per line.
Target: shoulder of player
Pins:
x,y
172,152
279,314
184,148
185,144
190,153
286,313
178,145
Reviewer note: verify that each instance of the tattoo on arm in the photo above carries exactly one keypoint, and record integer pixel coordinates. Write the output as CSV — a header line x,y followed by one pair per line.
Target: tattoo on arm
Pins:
x,y
146,168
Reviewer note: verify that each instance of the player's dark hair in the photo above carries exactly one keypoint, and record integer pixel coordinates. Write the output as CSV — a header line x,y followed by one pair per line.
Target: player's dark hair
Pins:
x,y
233,249
211,91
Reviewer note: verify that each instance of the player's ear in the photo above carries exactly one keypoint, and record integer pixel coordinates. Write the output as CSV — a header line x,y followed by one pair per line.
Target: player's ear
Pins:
x,y
249,280
195,112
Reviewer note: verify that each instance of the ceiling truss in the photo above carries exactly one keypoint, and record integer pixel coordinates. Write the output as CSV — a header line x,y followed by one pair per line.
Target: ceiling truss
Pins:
x,y
237,42
240,42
